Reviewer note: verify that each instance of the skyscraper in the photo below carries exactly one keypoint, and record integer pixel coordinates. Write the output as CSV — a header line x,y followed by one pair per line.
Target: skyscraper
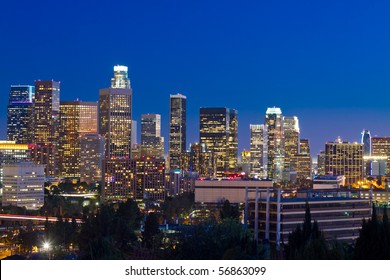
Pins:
x,y
366,141
218,131
76,119
198,159
273,121
258,150
20,114
151,140
177,129
344,158
291,140
115,112
91,157
233,141
380,146
47,122
304,147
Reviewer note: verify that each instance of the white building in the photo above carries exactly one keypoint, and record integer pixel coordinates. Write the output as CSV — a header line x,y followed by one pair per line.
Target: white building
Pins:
x,y
23,185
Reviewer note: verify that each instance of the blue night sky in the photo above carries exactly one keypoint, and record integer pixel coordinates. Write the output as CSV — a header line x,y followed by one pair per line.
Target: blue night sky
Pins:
x,y
327,62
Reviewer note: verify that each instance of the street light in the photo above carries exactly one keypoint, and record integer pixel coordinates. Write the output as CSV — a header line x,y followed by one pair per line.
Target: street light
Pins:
x,y
47,247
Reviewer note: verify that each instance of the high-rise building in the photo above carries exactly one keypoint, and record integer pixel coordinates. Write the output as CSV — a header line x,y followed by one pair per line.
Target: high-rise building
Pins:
x,y
380,146
177,129
47,122
321,163
115,114
198,159
20,114
11,153
275,143
304,147
233,141
301,164
91,157
76,119
138,179
246,162
366,141
218,129
23,185
258,150
151,140
291,140
344,158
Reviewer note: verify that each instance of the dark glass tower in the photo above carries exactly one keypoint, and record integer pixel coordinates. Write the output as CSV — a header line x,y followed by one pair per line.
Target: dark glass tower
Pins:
x,y
218,131
177,129
366,141
20,117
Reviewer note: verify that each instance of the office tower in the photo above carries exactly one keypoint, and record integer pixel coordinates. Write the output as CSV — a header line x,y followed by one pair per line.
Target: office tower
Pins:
x,y
304,147
321,163
274,123
23,185
139,179
47,122
258,149
291,141
344,158
177,129
76,119
301,165
91,157
233,141
20,114
134,132
218,128
198,159
380,146
152,143
115,109
11,152
246,162
366,141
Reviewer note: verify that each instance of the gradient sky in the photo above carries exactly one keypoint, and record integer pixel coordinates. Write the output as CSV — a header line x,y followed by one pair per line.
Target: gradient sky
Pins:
x,y
327,62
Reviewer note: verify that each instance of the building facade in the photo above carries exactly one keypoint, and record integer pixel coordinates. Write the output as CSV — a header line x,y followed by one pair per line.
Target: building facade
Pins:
x,y
152,143
46,122
20,114
344,158
338,217
177,129
11,152
138,179
380,146
258,149
77,118
23,185
91,157
291,142
115,114
199,159
218,132
275,144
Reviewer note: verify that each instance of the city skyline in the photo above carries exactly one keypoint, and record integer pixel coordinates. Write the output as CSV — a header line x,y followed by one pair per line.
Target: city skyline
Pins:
x,y
328,63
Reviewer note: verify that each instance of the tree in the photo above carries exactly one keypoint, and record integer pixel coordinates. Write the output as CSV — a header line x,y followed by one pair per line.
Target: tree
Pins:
x,y
374,238
151,230
229,211
308,242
